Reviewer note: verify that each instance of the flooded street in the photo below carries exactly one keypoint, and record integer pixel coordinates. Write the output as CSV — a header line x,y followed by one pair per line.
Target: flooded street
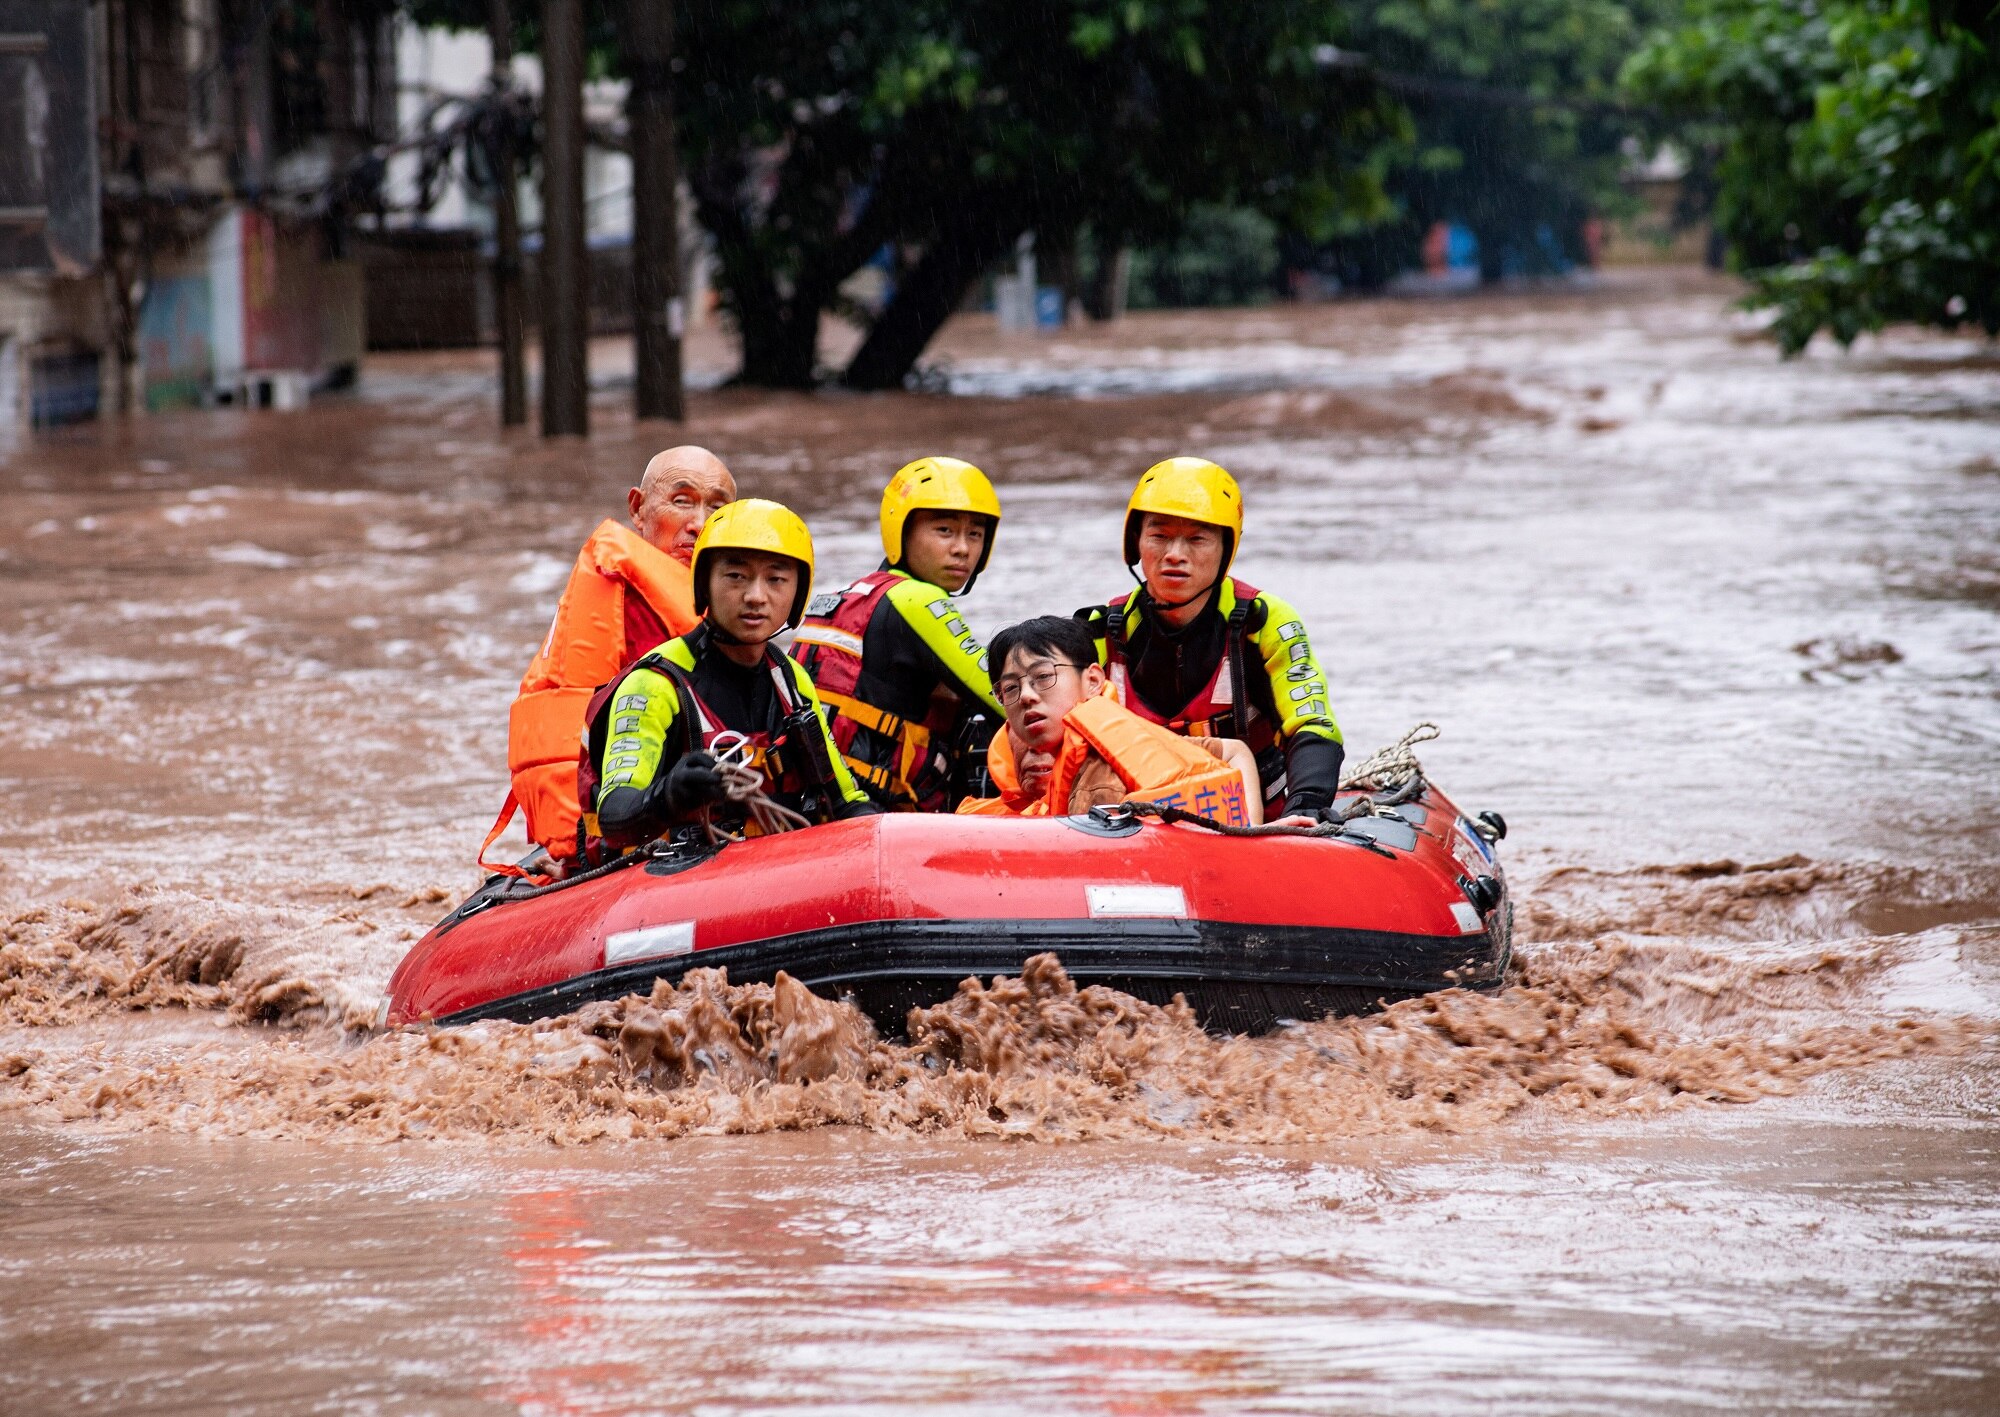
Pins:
x,y
1720,636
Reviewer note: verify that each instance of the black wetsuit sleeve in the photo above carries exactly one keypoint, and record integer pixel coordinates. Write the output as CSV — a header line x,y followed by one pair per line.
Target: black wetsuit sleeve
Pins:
x,y
1312,773
625,813
927,629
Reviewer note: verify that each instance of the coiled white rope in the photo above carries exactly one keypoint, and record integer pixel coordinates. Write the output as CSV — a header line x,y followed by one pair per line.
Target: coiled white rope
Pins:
x,y
1391,766
743,785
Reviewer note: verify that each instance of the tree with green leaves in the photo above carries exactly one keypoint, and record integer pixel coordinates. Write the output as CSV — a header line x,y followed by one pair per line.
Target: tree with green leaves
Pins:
x,y
945,130
815,136
1517,127
1854,151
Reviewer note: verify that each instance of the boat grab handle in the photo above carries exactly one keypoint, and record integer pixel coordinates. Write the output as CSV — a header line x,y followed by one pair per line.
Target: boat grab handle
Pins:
x,y
1338,830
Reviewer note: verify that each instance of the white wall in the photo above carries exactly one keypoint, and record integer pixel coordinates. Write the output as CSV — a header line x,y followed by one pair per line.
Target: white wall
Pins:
x,y
434,63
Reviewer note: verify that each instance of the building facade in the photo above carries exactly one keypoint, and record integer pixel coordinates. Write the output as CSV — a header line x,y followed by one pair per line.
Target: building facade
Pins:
x,y
175,178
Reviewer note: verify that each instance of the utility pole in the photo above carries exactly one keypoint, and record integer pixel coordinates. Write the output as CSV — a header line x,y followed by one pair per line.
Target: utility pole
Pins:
x,y
336,76
565,275
506,230
656,259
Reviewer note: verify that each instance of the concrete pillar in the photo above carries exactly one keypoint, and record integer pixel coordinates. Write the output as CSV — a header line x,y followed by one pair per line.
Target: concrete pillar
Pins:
x,y
659,308
565,261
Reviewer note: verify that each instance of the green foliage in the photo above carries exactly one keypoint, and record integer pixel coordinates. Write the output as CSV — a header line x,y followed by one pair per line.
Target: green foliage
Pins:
x,y
815,132
1515,124
1220,256
1855,152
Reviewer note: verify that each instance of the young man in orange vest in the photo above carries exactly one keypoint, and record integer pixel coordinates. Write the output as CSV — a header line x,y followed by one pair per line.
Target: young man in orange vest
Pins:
x,y
628,594
891,654
1069,745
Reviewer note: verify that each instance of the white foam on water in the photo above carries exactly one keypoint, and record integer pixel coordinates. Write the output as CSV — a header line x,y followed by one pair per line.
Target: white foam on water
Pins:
x,y
245,553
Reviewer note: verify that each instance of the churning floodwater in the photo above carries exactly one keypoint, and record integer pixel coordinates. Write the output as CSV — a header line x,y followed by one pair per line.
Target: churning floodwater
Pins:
x,y
1719,634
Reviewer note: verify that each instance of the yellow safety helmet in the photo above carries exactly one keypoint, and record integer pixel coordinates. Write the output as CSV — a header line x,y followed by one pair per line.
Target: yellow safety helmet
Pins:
x,y
1193,489
754,524
938,485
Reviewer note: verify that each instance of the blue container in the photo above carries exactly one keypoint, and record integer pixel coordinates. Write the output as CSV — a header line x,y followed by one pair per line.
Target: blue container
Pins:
x,y
1049,307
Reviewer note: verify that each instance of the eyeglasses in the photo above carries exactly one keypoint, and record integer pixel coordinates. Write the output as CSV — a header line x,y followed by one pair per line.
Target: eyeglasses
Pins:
x,y
1008,690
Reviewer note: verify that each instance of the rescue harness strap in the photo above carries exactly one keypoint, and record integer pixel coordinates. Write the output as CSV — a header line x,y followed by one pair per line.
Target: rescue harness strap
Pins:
x,y
1229,722
911,739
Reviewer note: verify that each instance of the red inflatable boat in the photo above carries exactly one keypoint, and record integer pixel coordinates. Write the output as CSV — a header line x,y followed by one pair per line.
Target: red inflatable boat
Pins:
x,y
894,911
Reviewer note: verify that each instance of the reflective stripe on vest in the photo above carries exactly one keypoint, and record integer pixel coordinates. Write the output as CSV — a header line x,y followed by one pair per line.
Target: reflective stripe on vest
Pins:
x,y
809,633
830,643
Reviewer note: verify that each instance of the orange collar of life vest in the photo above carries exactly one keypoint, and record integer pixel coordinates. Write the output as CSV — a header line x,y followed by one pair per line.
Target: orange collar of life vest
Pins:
x,y
1144,755
618,551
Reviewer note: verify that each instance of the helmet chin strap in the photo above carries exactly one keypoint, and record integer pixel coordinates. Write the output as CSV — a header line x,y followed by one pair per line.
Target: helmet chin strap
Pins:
x,y
1208,589
721,636
904,568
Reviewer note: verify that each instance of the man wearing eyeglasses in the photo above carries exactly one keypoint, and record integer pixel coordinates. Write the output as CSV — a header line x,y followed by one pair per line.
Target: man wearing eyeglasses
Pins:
x,y
1069,745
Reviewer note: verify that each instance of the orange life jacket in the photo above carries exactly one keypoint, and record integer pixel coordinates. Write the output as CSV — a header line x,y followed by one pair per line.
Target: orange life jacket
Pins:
x,y
585,647
1155,764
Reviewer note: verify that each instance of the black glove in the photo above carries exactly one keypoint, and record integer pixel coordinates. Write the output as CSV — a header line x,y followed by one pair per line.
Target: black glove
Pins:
x,y
856,809
1312,772
694,783
1306,804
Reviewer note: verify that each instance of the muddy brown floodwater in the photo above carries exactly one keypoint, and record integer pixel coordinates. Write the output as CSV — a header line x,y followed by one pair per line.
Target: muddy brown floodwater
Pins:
x,y
1720,635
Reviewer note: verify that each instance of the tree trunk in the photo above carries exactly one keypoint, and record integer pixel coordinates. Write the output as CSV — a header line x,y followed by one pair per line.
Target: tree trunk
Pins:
x,y
1104,299
925,300
336,77
124,258
780,344
507,235
565,274
659,315
780,335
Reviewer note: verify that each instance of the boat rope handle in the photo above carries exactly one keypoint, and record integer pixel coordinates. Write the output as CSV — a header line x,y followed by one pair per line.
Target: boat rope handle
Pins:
x,y
1124,811
1393,765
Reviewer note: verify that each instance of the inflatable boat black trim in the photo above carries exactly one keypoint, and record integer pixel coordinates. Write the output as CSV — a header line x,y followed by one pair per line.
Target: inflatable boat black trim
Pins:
x,y
1238,978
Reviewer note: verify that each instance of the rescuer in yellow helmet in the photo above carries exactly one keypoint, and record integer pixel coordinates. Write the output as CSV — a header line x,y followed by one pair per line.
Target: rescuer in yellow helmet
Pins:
x,y
654,733
1205,654
891,655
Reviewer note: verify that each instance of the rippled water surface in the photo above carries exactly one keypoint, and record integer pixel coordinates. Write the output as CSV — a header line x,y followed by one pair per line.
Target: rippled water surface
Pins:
x,y
1719,634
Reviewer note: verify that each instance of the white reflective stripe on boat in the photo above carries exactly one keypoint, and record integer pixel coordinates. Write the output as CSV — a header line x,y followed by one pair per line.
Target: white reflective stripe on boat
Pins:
x,y
828,636
1468,919
1135,900
653,942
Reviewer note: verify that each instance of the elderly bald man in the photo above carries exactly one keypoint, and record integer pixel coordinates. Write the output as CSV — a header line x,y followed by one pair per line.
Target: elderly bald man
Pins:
x,y
680,490
629,593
